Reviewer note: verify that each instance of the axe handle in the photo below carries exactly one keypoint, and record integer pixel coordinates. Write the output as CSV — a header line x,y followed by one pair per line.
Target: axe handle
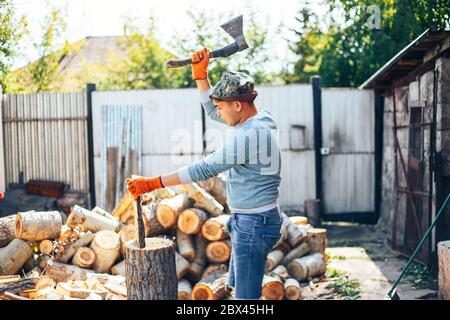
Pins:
x,y
222,52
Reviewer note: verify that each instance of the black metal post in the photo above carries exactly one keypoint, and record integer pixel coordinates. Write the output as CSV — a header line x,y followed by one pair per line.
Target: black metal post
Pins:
x,y
379,123
317,114
90,87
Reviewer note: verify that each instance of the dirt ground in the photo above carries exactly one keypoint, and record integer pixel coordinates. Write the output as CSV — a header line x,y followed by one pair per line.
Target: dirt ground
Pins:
x,y
362,266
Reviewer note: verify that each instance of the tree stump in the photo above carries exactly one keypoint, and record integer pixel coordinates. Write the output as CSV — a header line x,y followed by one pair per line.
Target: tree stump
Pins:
x,y
317,240
151,271
444,269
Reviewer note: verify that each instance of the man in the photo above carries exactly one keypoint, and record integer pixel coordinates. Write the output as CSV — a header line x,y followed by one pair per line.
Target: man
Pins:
x,y
252,160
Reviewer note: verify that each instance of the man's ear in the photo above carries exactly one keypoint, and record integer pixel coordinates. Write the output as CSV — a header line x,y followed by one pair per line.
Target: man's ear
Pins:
x,y
238,105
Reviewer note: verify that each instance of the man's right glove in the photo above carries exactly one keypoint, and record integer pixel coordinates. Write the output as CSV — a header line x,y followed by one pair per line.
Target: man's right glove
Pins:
x,y
200,61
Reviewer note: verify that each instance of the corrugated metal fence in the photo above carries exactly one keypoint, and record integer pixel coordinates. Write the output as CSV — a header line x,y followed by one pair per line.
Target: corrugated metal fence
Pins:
x,y
45,137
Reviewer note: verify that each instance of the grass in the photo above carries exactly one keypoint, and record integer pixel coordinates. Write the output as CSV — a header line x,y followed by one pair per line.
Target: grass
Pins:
x,y
344,287
421,277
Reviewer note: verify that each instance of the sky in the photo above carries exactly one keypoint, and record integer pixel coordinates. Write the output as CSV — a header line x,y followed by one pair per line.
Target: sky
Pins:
x,y
106,18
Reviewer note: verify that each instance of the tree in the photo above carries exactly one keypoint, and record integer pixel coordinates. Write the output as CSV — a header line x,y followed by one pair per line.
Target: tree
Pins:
x,y
352,50
12,31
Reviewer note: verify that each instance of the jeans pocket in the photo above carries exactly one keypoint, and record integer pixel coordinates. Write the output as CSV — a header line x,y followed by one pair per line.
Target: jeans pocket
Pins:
x,y
228,225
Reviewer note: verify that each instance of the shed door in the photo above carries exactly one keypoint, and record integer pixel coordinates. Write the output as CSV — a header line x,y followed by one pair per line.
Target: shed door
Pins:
x,y
348,159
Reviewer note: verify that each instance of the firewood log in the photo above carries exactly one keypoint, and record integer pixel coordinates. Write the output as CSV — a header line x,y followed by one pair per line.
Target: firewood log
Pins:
x,y
182,265
300,220
297,252
167,210
185,245
215,228
295,233
104,213
184,290
158,257
91,221
219,251
307,267
317,240
36,226
216,186
61,272
273,259
292,290
191,220
7,230
70,249
197,266
213,267
119,269
14,256
84,257
279,271
68,235
272,288
283,246
443,251
203,199
46,246
18,285
106,245
152,226
210,287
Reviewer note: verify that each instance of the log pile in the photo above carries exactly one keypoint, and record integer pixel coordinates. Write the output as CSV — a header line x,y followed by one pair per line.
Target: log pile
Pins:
x,y
84,258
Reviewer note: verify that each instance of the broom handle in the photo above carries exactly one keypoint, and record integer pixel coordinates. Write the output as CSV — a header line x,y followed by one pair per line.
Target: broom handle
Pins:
x,y
411,259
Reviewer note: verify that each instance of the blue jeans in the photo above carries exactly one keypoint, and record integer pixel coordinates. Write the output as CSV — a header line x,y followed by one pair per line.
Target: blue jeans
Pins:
x,y
252,237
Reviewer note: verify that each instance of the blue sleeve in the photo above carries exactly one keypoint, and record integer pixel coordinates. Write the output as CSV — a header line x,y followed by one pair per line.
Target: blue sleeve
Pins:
x,y
208,106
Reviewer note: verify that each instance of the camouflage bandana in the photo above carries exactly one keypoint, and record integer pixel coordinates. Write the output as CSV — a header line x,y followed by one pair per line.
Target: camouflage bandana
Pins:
x,y
235,86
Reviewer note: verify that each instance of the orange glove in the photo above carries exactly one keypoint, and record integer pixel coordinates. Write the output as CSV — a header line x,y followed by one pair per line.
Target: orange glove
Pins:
x,y
139,185
200,61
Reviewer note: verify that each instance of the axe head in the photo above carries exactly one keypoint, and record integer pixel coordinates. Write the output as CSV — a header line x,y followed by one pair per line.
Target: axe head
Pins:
x,y
234,28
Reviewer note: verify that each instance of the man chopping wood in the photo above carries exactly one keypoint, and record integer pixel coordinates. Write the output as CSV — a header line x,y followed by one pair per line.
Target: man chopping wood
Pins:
x,y
252,161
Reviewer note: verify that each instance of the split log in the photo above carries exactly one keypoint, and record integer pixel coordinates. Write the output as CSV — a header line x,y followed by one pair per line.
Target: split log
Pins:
x,y
9,278
84,257
298,252
184,290
210,287
185,245
69,250
216,186
7,230
198,265
219,251
182,265
203,199
167,210
295,233
119,269
272,288
443,249
213,267
91,221
106,245
36,226
68,235
44,282
317,240
64,289
306,267
46,246
273,259
122,207
292,290
300,220
104,213
279,271
191,220
215,229
61,272
14,256
151,224
18,285
151,271
11,296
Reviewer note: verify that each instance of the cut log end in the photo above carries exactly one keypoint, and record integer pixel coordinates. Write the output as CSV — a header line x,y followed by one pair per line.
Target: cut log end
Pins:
x,y
150,244
202,292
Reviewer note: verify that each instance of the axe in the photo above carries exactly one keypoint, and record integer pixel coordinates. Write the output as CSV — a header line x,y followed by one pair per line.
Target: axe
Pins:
x,y
234,29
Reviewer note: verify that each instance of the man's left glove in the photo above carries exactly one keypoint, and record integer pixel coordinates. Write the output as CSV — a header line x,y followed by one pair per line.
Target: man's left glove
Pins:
x,y
139,185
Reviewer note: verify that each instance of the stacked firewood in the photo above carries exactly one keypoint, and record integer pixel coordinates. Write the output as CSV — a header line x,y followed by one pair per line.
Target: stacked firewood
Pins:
x,y
83,258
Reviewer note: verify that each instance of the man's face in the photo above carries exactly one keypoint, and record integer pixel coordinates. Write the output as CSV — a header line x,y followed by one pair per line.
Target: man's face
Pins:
x,y
229,111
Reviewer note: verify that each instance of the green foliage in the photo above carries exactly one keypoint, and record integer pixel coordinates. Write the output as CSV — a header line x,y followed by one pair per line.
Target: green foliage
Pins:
x,y
350,49
12,30
422,277
344,287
